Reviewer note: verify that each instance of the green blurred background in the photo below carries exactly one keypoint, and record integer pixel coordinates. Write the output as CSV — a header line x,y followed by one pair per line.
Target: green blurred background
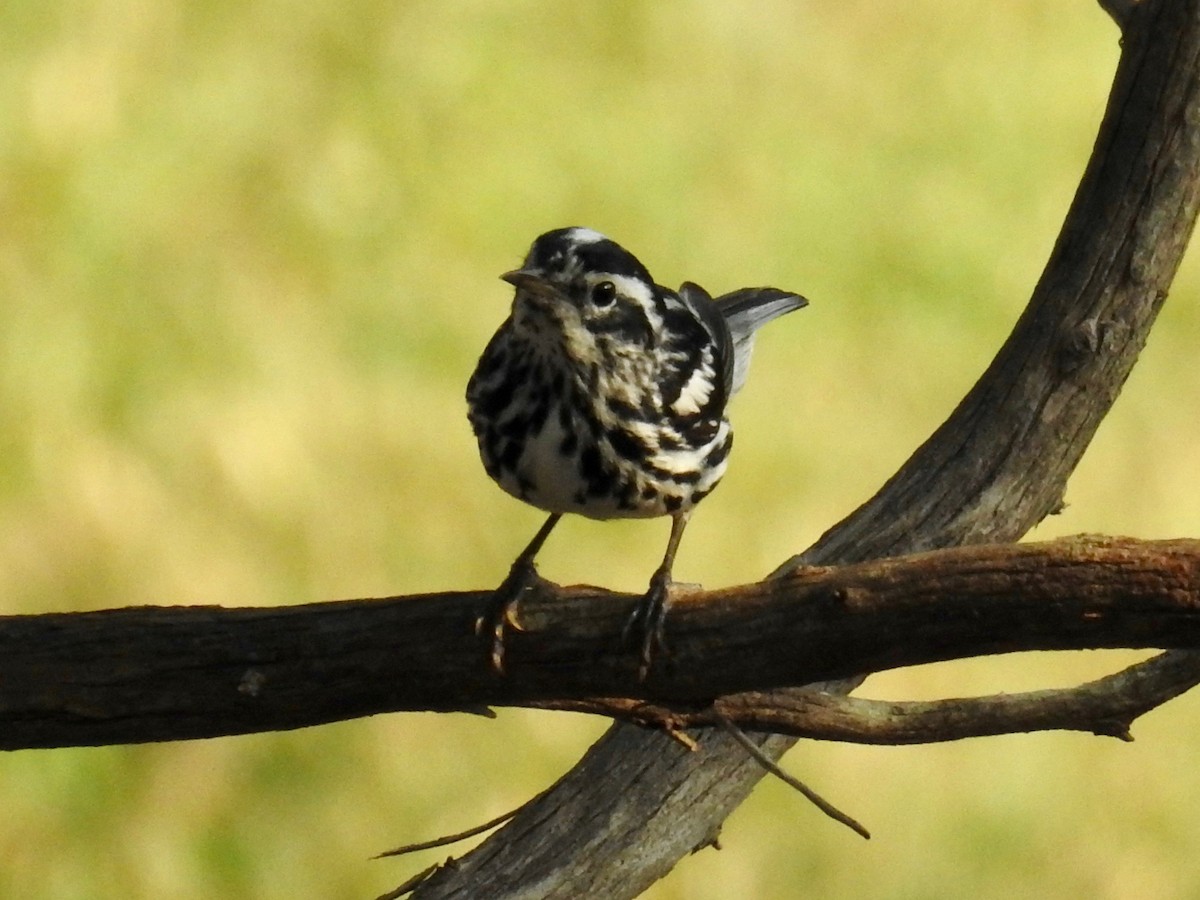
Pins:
x,y
248,257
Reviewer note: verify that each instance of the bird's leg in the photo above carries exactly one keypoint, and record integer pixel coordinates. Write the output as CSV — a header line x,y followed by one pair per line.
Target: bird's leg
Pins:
x,y
502,612
650,615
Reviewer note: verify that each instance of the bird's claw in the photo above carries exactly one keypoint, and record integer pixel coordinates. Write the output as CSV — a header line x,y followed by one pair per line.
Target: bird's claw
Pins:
x,y
501,615
648,620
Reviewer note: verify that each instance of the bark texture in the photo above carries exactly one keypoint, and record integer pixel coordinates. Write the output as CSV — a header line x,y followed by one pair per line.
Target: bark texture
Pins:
x,y
172,673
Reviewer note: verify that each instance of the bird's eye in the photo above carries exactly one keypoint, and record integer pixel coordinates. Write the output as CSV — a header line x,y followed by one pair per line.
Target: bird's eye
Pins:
x,y
604,293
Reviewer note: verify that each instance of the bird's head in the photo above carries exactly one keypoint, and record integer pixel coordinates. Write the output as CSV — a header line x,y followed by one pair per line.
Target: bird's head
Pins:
x,y
578,287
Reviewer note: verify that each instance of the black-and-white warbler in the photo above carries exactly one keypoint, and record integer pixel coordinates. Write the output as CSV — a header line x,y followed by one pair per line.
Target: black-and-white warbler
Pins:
x,y
604,394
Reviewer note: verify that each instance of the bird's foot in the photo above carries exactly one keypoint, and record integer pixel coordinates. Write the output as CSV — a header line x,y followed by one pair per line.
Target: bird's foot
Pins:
x,y
501,614
648,622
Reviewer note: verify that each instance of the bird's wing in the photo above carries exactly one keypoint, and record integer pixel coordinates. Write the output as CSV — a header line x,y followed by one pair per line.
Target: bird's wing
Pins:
x,y
702,306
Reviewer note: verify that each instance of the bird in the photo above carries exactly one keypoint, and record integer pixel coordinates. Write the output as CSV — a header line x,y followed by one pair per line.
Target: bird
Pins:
x,y
604,394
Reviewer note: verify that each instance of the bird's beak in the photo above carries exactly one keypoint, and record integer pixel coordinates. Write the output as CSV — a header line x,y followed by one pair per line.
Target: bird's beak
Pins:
x,y
533,282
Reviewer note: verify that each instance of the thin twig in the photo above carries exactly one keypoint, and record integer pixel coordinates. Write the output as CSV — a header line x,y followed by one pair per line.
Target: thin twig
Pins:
x,y
449,839
767,763
409,886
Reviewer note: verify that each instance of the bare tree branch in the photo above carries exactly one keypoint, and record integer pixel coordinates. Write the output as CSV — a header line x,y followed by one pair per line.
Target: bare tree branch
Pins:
x,y
1107,706
168,673
995,468
1119,10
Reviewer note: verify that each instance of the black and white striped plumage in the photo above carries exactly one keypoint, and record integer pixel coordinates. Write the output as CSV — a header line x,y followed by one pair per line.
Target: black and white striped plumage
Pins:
x,y
604,394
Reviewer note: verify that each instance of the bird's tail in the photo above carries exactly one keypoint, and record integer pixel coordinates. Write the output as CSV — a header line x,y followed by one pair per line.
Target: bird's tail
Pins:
x,y
747,310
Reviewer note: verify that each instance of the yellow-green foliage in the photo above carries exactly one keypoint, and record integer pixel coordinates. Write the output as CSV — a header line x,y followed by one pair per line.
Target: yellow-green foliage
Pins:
x,y
248,256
